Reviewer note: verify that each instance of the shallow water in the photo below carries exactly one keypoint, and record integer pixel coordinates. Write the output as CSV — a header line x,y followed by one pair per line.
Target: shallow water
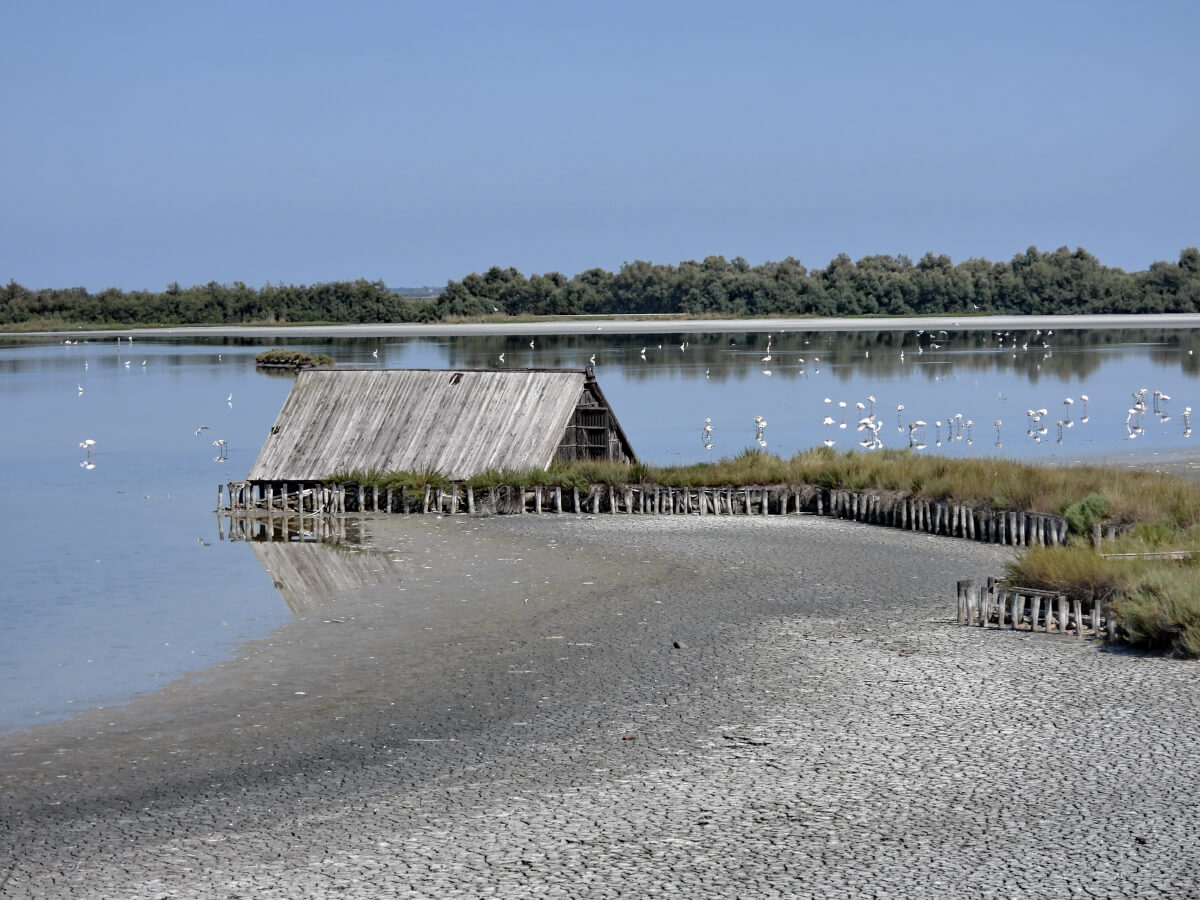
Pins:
x,y
116,579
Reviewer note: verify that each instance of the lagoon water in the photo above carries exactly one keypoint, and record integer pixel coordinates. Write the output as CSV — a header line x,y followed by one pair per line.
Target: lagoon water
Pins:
x,y
117,580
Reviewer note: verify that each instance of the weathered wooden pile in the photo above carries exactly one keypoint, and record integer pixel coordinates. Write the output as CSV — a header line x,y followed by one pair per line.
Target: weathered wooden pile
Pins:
x,y
894,511
1021,608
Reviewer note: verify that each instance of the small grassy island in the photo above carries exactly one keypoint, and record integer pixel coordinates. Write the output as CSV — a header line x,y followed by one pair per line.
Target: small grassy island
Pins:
x,y
291,359
1156,600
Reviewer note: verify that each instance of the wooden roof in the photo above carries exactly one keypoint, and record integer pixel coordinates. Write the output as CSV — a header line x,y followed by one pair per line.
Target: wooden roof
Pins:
x,y
457,422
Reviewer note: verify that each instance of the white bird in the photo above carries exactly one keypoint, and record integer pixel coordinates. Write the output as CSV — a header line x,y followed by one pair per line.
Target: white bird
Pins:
x,y
86,464
375,353
80,386
592,359
127,364
229,399
201,428
531,345
501,357
220,443
88,444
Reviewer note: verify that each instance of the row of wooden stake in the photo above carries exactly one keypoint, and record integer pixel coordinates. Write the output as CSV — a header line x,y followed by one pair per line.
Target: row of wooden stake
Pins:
x,y
934,517
1014,607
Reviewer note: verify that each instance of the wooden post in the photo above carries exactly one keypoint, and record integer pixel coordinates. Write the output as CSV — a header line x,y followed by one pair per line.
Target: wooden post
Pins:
x,y
595,492
1014,609
492,503
975,614
1077,612
537,499
575,497
962,617
701,502
558,498
991,599
453,499
438,494
629,500
1096,616
1062,613
1035,613
470,500
1110,623
612,498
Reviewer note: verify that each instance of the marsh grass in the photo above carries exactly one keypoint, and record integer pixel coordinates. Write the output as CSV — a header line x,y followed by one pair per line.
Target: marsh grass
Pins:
x,y
1156,602
1090,493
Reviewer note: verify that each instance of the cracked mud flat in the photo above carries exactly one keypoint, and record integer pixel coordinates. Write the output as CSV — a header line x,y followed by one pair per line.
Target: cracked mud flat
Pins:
x,y
518,722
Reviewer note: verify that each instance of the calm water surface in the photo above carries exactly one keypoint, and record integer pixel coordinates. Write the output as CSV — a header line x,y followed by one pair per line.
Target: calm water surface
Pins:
x,y
116,579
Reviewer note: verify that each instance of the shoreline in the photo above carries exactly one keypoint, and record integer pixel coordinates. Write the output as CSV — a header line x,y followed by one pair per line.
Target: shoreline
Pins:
x,y
618,325
727,706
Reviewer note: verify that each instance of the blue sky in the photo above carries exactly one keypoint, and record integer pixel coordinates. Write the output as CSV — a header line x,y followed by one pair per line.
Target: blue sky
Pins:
x,y
149,142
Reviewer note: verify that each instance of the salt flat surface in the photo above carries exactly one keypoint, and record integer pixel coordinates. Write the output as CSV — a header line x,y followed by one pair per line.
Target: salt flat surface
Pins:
x,y
822,730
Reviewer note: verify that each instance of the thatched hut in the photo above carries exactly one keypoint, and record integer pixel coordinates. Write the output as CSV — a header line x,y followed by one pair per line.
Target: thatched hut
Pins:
x,y
458,422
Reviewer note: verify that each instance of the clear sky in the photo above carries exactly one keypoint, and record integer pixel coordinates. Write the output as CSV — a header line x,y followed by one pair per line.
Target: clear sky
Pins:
x,y
146,142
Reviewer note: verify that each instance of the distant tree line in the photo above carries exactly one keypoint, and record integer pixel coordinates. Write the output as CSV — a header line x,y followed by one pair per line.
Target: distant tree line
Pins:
x,y
1032,282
